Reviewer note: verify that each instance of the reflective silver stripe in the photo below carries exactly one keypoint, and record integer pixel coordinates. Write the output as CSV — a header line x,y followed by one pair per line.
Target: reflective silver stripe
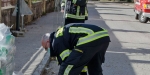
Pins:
x,y
86,14
84,69
67,70
63,4
74,1
78,10
65,54
59,32
92,37
80,30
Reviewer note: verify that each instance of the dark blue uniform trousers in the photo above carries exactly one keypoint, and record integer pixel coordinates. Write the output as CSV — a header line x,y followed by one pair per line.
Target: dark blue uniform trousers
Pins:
x,y
92,55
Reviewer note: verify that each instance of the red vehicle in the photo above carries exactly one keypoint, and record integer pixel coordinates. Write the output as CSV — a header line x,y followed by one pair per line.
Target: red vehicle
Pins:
x,y
142,10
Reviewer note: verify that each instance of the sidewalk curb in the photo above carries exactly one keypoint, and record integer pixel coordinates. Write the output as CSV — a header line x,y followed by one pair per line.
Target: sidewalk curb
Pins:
x,y
41,67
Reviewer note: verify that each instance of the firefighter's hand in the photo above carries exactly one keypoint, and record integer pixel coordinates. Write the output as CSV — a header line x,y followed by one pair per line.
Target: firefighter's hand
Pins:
x,y
62,11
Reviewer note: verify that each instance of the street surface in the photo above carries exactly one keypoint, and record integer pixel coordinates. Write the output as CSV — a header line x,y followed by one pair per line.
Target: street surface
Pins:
x,y
129,51
29,52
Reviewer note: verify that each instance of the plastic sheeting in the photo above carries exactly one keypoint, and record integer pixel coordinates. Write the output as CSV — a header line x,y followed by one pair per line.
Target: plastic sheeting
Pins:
x,y
7,50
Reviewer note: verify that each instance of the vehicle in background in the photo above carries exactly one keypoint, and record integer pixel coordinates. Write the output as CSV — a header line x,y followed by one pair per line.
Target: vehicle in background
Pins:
x,y
142,10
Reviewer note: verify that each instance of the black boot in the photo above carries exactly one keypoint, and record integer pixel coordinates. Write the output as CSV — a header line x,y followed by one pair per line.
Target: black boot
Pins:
x,y
83,73
137,17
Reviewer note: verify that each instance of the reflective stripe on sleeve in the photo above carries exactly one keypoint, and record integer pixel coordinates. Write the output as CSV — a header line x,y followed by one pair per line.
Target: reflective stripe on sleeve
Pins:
x,y
65,54
80,30
74,1
92,37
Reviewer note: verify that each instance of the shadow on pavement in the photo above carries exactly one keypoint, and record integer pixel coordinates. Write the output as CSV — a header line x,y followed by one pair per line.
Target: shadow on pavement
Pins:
x,y
117,62
116,7
115,14
120,30
109,9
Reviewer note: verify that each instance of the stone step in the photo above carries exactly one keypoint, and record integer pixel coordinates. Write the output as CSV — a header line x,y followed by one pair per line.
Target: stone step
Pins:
x,y
18,33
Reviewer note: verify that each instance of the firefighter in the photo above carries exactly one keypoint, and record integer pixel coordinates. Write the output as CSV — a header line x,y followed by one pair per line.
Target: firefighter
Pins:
x,y
82,44
76,11
86,12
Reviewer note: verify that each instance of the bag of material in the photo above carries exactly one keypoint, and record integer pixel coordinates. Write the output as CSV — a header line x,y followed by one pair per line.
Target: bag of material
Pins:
x,y
7,50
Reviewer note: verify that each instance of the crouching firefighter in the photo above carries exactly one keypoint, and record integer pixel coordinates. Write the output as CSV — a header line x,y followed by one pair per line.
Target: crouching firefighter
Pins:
x,y
82,44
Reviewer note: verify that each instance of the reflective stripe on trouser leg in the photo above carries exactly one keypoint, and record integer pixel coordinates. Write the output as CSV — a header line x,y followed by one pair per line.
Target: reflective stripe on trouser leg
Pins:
x,y
79,60
73,60
67,70
84,69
